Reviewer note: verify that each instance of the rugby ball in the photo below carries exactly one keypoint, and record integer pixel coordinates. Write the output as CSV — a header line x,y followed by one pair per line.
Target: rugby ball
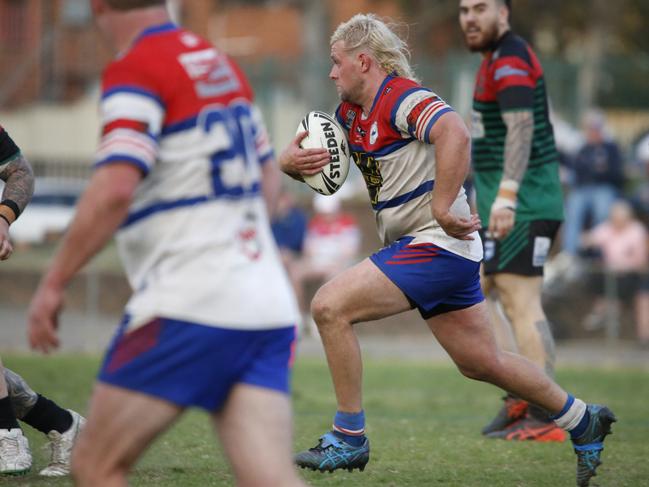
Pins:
x,y
325,132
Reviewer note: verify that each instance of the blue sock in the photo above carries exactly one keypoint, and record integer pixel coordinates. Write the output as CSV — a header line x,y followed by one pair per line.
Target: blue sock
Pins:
x,y
350,427
580,429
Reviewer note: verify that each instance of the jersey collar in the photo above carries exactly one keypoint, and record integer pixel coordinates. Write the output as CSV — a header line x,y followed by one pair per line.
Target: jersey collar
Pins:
x,y
156,29
381,88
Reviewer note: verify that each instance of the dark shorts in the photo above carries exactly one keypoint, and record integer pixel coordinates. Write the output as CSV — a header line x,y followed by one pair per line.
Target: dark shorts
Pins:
x,y
433,279
190,364
624,285
524,251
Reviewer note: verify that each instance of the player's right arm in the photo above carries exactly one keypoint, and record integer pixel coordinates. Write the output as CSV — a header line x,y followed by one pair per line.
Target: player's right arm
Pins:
x,y
101,209
132,113
17,174
296,161
514,79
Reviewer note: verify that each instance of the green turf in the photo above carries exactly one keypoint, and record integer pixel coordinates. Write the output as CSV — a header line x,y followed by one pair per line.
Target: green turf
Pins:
x,y
423,422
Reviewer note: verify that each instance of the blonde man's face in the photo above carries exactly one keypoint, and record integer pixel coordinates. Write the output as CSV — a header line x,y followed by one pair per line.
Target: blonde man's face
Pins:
x,y
345,73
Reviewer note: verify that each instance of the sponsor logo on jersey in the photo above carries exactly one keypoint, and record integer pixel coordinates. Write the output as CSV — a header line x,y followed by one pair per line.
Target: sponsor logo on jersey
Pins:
x,y
349,118
374,133
212,73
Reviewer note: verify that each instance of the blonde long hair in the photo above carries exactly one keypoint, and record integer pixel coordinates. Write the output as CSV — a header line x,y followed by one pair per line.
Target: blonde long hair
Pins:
x,y
370,32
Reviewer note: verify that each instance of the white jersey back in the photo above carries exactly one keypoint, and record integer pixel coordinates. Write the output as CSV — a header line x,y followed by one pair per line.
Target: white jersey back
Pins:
x,y
196,244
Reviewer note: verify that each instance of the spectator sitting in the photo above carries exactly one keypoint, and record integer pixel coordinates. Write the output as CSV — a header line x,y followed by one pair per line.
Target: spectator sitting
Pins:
x,y
332,244
622,240
597,177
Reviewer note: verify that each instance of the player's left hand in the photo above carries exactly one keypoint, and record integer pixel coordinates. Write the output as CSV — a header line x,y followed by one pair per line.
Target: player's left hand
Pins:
x,y
501,222
6,249
43,318
458,227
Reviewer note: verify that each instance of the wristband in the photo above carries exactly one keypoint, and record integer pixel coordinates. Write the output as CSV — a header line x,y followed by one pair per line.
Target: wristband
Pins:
x,y
506,197
9,210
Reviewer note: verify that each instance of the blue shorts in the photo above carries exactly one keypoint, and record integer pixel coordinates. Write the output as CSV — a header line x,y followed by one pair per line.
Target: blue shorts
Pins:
x,y
197,365
434,280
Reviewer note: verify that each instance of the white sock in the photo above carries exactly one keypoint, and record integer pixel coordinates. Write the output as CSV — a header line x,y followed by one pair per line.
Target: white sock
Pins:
x,y
569,419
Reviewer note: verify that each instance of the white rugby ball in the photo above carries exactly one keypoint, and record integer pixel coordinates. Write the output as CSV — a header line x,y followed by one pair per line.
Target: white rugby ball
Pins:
x,y
325,132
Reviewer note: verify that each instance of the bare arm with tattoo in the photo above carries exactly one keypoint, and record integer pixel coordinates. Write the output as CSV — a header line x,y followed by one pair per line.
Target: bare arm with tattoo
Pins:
x,y
22,396
518,145
19,187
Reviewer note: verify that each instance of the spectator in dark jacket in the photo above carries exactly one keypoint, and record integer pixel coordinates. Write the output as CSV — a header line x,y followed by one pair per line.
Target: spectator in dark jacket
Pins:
x,y
597,178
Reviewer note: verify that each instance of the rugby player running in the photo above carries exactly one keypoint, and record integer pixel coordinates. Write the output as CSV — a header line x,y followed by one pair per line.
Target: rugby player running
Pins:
x,y
414,151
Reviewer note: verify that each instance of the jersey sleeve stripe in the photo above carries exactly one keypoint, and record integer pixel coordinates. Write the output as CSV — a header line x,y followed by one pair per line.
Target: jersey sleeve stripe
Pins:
x,y
135,125
422,126
263,159
436,117
124,141
400,100
121,158
133,107
134,90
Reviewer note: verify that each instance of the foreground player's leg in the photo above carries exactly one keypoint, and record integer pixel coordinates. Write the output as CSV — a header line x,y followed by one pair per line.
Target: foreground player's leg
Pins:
x,y
121,424
15,455
361,293
467,337
255,429
61,426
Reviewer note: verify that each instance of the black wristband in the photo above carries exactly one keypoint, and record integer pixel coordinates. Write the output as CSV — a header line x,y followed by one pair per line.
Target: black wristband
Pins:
x,y
13,205
5,219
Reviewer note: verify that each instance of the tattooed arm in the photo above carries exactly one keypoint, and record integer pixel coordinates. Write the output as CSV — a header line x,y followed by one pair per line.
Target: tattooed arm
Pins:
x,y
518,145
19,181
22,396
19,186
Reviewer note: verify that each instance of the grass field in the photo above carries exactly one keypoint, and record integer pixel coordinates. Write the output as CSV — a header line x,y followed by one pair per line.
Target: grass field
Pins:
x,y
423,421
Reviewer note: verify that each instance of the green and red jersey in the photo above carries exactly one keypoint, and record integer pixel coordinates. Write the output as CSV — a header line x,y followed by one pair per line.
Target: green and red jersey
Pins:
x,y
511,78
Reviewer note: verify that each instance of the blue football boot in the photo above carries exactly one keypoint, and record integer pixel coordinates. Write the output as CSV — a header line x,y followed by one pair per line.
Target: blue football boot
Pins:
x,y
589,446
332,453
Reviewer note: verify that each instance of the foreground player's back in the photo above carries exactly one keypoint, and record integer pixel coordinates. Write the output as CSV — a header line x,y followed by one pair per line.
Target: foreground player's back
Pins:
x,y
182,112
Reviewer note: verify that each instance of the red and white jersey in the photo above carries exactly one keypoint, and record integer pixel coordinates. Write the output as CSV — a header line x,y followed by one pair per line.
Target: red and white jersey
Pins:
x,y
332,240
196,244
390,146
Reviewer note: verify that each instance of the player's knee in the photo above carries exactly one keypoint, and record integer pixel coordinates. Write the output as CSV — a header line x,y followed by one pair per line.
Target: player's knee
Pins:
x,y
322,309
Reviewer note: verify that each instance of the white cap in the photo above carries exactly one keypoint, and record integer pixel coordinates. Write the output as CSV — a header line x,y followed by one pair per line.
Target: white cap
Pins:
x,y
326,204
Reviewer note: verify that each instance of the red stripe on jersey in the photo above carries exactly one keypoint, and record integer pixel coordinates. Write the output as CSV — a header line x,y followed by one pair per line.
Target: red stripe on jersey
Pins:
x,y
428,115
411,255
414,114
136,125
